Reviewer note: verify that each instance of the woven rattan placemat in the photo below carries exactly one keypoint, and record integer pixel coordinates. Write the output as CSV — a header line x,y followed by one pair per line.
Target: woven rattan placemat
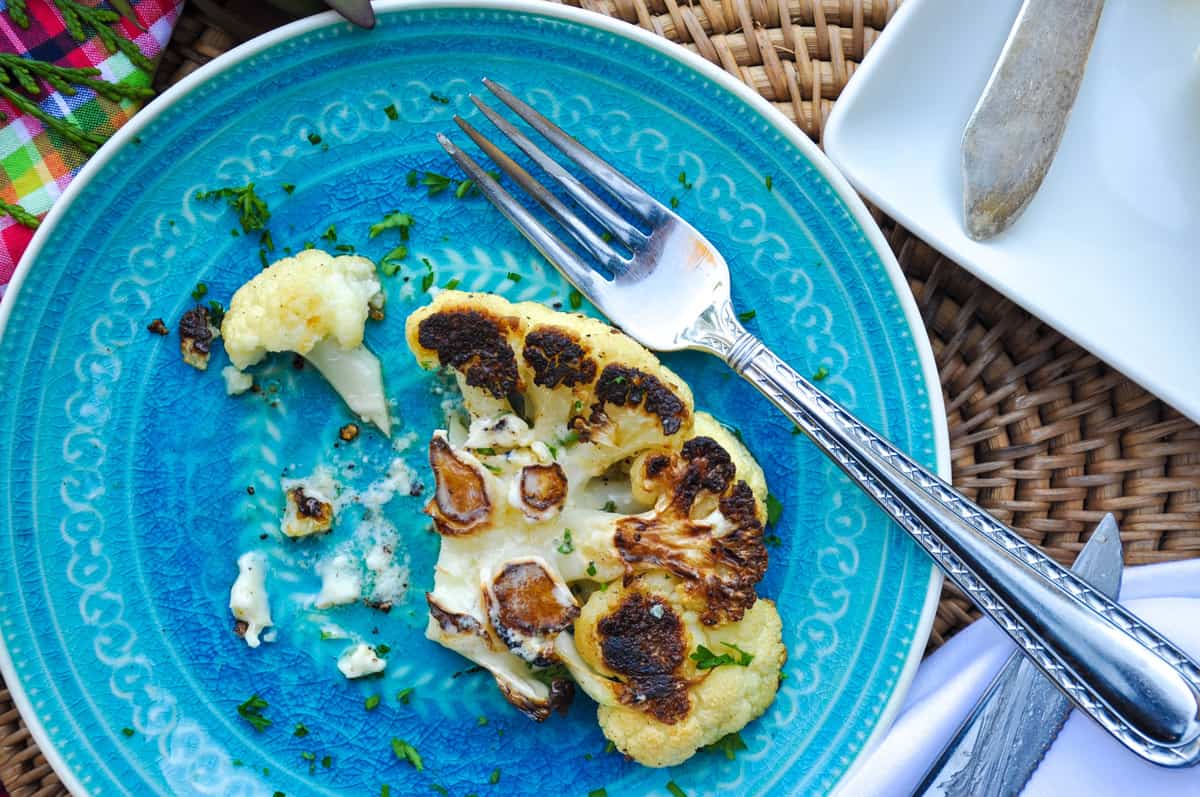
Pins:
x,y
1042,434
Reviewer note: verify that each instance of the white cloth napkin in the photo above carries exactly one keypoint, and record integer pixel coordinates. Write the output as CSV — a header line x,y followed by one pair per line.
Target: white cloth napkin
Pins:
x,y
1084,759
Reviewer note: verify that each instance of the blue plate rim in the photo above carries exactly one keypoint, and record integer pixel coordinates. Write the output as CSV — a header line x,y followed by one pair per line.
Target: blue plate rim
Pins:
x,y
687,59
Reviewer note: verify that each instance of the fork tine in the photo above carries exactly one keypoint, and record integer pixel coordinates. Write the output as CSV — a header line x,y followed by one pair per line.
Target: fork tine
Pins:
x,y
624,232
587,238
563,257
621,187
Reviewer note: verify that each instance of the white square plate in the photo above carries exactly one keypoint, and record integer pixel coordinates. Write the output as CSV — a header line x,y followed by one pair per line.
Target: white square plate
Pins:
x,y
1109,249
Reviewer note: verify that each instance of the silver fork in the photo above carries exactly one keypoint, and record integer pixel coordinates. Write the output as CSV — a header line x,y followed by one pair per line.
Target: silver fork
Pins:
x,y
1129,679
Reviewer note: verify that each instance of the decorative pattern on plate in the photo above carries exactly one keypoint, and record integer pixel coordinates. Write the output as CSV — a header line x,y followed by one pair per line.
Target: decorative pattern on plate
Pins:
x,y
118,558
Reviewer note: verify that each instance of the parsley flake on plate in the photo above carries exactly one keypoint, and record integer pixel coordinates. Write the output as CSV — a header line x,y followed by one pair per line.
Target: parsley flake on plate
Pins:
x,y
406,752
251,711
253,213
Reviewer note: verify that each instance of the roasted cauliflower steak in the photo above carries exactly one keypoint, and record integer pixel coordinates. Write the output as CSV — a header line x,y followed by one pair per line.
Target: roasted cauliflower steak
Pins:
x,y
595,529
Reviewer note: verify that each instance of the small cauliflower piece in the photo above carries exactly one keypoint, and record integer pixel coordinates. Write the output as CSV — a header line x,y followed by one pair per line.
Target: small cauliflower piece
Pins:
x,y
636,652
316,305
248,597
196,335
583,467
236,382
309,507
360,661
341,581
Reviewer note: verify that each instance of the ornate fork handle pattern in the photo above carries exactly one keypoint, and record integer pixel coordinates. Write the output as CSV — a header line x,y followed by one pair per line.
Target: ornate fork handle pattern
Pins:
x,y
1127,677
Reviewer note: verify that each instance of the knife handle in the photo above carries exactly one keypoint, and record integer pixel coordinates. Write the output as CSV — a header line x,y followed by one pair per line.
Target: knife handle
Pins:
x,y
1115,668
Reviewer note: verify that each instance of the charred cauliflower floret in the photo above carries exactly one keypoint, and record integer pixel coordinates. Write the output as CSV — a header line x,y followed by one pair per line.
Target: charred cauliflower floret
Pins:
x,y
196,334
579,474
666,682
316,305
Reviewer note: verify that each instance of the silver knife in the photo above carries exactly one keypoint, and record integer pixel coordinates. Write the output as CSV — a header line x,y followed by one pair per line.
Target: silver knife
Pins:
x,y
1001,743
1012,135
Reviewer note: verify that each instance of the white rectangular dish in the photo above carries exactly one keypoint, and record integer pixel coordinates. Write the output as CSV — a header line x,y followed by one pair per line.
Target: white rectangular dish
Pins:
x,y
1108,251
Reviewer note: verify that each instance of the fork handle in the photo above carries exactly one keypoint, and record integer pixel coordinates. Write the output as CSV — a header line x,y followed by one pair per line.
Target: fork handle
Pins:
x,y
1128,678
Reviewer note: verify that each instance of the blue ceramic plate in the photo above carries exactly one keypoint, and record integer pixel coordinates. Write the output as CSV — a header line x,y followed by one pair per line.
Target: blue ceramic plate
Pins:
x,y
124,473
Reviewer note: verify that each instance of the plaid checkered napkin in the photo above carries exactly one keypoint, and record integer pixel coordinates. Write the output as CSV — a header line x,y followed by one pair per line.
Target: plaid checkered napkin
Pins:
x,y
35,164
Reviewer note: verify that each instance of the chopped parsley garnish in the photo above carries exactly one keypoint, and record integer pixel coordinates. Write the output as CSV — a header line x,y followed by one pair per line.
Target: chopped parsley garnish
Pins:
x,y
566,546
127,732
300,731
606,236
569,439
393,220
600,792
267,241
683,181
390,263
494,778
452,284
411,178
514,276
382,649
278,794
575,299
487,452
820,374
747,316
199,291
436,183
773,540
314,139
385,790
405,695
442,98
406,752
429,277
548,675
591,569
706,660
371,703
289,188
481,721
774,510
673,787
330,234
609,506
674,201
465,188
609,746
216,312
251,712
439,788
391,112
769,183
311,758
344,248
730,744
253,213
327,761
797,430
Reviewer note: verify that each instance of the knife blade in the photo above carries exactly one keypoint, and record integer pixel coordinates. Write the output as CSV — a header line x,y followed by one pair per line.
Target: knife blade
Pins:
x,y
1002,741
1014,132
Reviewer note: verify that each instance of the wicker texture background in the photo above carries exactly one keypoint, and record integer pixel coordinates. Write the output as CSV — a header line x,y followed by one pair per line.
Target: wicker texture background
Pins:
x,y
1043,434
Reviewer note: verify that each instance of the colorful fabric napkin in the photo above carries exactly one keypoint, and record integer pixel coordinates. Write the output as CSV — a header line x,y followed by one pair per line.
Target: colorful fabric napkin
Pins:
x,y
35,164
1084,759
